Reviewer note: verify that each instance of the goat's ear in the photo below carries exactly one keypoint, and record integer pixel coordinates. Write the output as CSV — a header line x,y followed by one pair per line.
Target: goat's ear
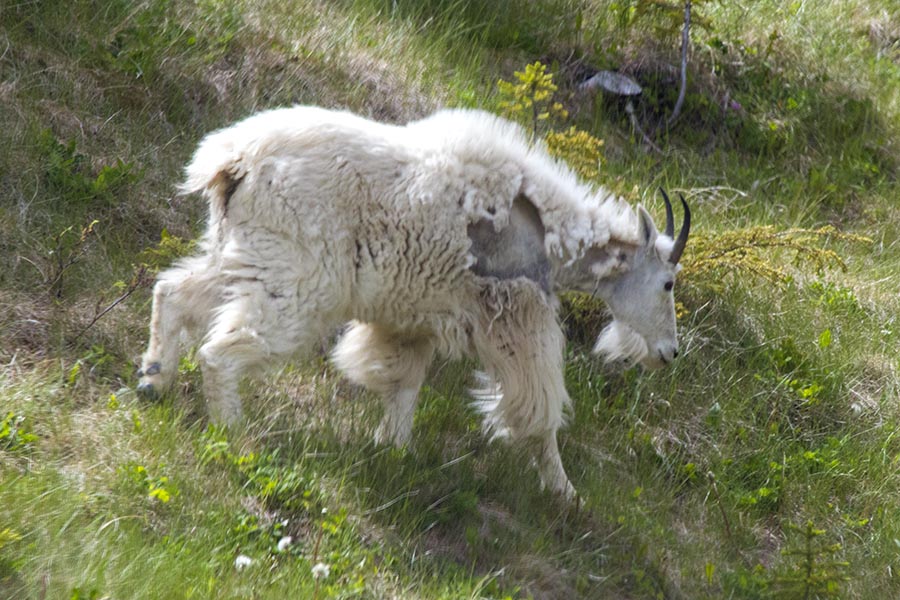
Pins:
x,y
648,229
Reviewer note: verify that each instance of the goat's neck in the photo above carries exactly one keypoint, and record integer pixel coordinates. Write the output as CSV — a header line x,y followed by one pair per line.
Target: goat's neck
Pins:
x,y
573,275
594,271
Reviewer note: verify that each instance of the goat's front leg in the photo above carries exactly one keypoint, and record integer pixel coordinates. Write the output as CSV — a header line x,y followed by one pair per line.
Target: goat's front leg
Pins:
x,y
521,346
183,298
158,363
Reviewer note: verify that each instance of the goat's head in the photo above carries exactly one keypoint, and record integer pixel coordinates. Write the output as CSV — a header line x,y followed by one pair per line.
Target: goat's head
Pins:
x,y
636,281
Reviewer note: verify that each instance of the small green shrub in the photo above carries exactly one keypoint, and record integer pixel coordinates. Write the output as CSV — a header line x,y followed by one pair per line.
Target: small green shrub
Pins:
x,y
579,149
61,252
749,582
583,317
262,535
152,35
813,570
531,96
803,383
749,251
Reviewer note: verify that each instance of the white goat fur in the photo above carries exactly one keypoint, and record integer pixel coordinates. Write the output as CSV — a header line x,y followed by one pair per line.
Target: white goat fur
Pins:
x,y
318,218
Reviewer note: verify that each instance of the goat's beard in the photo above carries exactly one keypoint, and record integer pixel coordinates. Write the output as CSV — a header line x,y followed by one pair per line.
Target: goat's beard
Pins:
x,y
620,344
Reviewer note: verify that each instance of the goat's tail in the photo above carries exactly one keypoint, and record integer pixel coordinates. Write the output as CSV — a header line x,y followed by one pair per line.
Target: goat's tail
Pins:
x,y
218,167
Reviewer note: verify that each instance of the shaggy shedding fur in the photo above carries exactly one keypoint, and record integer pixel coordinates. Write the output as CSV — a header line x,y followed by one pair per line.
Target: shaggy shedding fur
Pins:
x,y
319,218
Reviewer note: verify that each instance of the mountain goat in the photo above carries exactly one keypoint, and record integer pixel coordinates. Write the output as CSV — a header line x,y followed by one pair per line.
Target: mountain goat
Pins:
x,y
448,236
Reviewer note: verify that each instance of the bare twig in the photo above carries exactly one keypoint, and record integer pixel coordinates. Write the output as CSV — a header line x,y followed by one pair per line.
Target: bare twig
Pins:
x,y
33,264
712,482
65,261
629,108
139,280
685,41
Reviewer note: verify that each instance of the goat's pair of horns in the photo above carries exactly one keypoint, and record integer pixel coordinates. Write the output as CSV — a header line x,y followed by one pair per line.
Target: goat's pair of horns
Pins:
x,y
678,248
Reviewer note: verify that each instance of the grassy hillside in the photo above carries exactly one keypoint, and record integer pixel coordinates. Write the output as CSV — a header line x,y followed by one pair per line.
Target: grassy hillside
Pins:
x,y
763,464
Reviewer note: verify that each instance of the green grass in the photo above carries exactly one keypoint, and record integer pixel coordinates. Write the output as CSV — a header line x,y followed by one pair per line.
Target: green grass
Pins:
x,y
696,482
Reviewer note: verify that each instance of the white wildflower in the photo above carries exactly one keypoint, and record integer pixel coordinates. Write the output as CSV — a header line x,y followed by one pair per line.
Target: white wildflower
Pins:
x,y
321,571
242,561
284,543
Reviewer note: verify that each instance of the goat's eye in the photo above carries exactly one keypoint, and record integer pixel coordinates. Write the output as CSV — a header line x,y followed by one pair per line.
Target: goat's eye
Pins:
x,y
669,285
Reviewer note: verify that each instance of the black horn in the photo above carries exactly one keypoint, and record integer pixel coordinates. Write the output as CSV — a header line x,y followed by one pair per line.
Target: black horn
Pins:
x,y
678,248
670,219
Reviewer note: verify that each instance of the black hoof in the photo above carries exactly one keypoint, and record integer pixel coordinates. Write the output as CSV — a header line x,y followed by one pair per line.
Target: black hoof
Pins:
x,y
146,390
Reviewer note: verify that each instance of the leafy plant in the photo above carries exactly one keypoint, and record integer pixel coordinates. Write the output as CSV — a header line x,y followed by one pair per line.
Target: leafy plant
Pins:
x,y
790,368
96,362
169,248
262,474
835,297
158,488
151,36
68,174
766,497
80,593
15,435
8,536
666,16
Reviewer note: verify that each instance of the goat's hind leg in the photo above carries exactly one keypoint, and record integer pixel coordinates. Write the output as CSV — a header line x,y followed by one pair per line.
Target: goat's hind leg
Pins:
x,y
391,364
184,298
550,467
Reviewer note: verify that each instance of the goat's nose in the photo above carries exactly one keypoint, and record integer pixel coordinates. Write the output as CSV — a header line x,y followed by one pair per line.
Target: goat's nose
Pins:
x,y
675,354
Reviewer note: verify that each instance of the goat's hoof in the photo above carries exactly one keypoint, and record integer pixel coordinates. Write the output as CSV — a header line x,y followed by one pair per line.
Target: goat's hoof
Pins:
x,y
145,389
387,436
565,492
